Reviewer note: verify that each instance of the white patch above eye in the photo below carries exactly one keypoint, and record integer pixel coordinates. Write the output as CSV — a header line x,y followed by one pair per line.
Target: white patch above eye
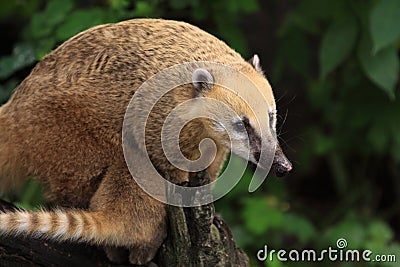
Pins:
x,y
236,119
272,118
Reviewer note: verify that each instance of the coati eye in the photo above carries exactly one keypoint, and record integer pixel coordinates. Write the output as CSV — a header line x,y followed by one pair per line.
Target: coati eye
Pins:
x,y
238,126
241,125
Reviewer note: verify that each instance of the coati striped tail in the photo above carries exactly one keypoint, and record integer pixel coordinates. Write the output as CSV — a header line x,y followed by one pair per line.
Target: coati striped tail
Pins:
x,y
57,225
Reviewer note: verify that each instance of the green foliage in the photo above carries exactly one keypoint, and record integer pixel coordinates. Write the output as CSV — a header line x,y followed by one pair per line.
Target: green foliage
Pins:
x,y
352,127
341,60
382,67
31,196
383,22
337,43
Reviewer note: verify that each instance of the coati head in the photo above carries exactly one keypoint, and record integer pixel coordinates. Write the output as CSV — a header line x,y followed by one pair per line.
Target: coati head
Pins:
x,y
246,134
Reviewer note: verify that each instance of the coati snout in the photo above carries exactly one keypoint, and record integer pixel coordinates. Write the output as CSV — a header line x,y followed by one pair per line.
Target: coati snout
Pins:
x,y
281,166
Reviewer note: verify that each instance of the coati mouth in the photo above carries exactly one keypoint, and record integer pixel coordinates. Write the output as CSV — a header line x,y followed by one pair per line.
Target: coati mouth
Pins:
x,y
281,166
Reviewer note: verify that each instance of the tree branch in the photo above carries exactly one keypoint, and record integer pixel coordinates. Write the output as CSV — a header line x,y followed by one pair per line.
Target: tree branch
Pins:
x,y
196,237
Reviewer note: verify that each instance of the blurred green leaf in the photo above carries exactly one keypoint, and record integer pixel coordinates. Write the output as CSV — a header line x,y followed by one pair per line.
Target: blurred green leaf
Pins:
x,y
57,10
384,23
382,68
230,34
299,226
350,229
44,46
259,216
80,20
43,23
39,27
118,4
381,244
379,232
32,195
337,43
144,9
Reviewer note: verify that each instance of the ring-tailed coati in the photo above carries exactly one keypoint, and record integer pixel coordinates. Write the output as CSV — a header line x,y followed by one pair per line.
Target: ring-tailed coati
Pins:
x,y
63,126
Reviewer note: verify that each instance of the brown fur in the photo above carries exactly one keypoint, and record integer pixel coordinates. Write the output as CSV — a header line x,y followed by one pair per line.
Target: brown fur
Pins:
x,y
63,126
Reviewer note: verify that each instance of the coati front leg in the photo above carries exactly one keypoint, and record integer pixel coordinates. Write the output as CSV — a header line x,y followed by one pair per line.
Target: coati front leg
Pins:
x,y
139,221
120,215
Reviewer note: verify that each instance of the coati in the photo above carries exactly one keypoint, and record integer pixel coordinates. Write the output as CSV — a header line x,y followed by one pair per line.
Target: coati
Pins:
x,y
63,126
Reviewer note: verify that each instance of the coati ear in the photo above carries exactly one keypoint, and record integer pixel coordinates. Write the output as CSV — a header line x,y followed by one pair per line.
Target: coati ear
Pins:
x,y
202,81
255,62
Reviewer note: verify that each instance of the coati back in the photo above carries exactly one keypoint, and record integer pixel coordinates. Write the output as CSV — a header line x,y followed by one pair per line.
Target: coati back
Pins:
x,y
63,125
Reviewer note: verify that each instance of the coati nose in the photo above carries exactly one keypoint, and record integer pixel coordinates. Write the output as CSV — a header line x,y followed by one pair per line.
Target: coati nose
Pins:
x,y
281,166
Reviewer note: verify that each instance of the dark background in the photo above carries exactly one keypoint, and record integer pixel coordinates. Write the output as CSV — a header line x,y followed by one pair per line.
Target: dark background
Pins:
x,y
334,67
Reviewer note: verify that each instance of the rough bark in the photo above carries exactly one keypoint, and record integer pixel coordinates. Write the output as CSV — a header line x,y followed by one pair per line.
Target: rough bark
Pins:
x,y
197,237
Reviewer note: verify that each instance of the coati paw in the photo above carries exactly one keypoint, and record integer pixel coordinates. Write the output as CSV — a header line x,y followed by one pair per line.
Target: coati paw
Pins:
x,y
117,255
141,256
